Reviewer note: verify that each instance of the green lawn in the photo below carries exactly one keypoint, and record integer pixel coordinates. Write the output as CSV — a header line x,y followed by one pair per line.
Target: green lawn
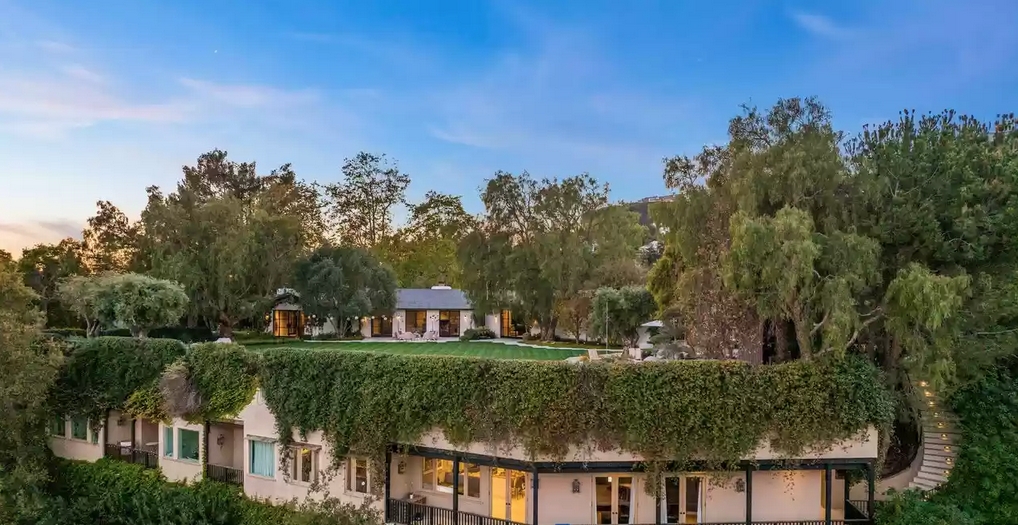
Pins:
x,y
469,349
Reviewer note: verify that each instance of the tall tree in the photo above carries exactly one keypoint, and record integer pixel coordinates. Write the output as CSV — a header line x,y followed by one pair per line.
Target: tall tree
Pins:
x,y
230,237
618,313
6,259
137,302
28,367
109,242
43,267
362,204
343,284
424,251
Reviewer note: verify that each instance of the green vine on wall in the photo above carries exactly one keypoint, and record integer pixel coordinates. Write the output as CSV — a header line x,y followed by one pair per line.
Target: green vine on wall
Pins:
x,y
717,411
212,381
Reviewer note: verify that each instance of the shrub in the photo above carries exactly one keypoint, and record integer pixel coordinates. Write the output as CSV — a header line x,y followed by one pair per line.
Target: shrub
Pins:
x,y
473,334
183,334
99,374
64,332
117,493
912,508
212,381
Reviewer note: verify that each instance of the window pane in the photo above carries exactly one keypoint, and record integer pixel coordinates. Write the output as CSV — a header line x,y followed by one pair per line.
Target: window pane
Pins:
x,y
428,474
188,444
58,427
79,428
693,500
672,504
473,479
95,438
263,459
168,442
361,475
443,471
306,465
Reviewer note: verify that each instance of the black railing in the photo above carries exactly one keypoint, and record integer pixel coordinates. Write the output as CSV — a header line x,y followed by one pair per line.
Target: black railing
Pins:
x,y
857,509
146,458
223,474
407,513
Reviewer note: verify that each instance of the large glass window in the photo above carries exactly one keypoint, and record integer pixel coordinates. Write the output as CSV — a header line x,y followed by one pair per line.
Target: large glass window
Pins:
x,y
263,458
469,474
168,442
79,428
287,323
416,321
428,474
449,323
189,447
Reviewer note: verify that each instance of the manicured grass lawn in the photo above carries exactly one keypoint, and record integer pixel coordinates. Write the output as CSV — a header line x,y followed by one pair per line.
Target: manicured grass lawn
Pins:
x,y
468,349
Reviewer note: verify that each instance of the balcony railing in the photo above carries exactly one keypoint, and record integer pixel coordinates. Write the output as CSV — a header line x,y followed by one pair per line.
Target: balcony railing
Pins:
x,y
407,513
223,474
146,458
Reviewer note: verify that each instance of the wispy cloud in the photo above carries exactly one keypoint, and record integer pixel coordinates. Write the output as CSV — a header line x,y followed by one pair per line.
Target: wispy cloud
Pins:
x,y
820,25
14,236
249,96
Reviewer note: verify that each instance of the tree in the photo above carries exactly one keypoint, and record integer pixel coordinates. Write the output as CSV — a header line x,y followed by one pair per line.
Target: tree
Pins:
x,y
424,251
344,283
137,302
78,294
574,314
362,204
543,242
109,243
28,367
6,260
618,313
230,237
43,267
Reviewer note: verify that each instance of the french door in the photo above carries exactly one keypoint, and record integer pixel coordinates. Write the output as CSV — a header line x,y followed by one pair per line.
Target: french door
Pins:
x,y
684,499
613,500
509,494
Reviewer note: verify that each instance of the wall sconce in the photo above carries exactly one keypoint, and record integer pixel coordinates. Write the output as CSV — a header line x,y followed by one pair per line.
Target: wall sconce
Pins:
x,y
740,485
221,440
576,486
401,467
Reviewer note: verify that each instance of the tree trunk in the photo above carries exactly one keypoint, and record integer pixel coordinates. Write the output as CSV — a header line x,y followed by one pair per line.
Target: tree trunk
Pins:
x,y
225,326
804,338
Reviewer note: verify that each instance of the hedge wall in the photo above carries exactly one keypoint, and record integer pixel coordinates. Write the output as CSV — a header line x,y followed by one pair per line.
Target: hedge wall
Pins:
x,y
674,411
117,493
100,374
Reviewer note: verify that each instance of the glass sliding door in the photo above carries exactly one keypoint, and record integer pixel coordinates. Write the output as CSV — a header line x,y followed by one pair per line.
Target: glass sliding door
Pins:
x,y
509,495
684,499
613,500
449,323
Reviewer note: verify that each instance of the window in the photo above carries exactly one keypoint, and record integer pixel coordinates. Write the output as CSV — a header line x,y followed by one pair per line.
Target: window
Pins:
x,y
428,474
449,323
188,444
381,327
263,458
304,467
417,321
357,475
58,427
79,428
168,442
469,477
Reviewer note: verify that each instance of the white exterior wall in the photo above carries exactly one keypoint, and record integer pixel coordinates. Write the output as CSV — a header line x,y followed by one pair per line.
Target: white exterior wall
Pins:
x,y
118,428
70,448
494,323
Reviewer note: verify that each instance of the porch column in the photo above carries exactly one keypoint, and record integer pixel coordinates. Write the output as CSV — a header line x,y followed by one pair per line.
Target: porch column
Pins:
x,y
455,491
847,491
536,485
388,484
134,435
871,487
749,495
827,494
205,451
657,504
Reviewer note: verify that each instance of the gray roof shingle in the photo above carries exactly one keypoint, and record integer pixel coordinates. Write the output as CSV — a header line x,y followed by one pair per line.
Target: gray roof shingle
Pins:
x,y
431,299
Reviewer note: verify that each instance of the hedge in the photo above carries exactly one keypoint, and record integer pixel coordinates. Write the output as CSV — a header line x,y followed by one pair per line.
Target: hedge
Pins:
x,y
181,333
99,374
117,493
670,411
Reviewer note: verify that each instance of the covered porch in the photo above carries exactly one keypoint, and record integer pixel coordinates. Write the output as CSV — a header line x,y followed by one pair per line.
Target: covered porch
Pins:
x,y
225,452
429,486
132,440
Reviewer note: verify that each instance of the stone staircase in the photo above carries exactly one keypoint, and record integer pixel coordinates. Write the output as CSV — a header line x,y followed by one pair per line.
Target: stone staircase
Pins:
x,y
940,436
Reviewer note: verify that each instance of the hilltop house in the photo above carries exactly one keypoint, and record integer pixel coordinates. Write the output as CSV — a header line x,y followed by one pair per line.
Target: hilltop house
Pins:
x,y
439,309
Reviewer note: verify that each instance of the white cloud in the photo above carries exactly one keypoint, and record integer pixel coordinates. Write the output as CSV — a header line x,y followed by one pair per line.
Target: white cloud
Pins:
x,y
79,72
820,25
249,96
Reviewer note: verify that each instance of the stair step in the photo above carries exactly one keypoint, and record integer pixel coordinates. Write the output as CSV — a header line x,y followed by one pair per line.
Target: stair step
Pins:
x,y
938,479
938,462
935,471
938,450
922,484
940,426
940,437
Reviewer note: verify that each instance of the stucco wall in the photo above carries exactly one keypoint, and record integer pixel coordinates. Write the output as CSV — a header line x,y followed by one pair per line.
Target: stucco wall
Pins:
x,y
227,454
119,428
176,469
70,448
494,323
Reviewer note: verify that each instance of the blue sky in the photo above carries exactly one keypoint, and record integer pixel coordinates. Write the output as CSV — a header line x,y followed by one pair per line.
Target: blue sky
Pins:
x,y
101,99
